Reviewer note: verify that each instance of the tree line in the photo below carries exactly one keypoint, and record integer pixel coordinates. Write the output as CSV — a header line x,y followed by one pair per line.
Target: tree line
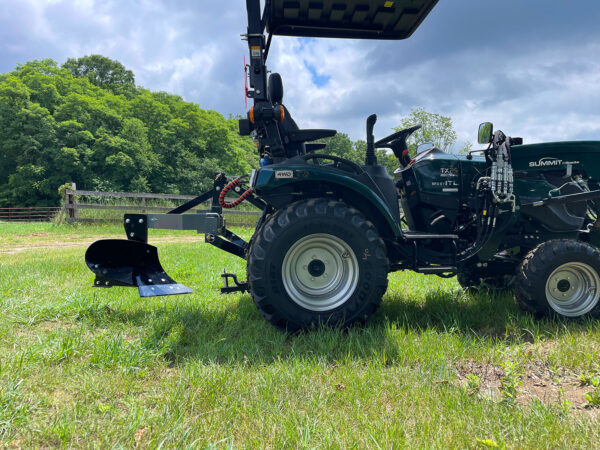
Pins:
x,y
86,121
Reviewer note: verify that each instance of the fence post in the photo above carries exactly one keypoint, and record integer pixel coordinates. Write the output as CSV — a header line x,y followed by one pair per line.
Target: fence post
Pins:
x,y
71,202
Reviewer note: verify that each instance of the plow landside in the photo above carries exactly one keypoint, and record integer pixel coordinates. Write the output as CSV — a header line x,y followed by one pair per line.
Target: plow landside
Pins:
x,y
119,262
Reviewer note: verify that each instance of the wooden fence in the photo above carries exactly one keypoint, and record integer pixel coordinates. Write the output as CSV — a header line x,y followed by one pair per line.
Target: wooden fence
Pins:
x,y
74,207
33,214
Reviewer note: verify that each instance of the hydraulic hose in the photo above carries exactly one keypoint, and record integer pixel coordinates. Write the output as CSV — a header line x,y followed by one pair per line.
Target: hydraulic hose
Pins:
x,y
237,201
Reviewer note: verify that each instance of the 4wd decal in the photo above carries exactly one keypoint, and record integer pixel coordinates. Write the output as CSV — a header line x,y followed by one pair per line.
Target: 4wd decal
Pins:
x,y
284,174
551,162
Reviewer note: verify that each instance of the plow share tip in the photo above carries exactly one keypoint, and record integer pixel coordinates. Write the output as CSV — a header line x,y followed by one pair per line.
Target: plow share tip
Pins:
x,y
119,262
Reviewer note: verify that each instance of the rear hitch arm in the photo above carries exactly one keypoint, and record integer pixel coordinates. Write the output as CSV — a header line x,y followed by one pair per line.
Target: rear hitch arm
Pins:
x,y
211,222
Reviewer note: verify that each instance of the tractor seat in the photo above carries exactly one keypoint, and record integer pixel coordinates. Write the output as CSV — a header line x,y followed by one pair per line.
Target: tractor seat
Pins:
x,y
294,139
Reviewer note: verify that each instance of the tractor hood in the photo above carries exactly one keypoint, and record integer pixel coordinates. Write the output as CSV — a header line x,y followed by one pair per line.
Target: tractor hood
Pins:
x,y
356,19
581,155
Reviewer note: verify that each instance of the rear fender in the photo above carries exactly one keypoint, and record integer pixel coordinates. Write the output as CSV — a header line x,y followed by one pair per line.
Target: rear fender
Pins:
x,y
283,184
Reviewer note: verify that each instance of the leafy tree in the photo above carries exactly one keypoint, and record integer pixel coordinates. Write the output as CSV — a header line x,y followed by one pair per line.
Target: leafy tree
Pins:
x,y
436,128
72,123
467,147
341,145
103,72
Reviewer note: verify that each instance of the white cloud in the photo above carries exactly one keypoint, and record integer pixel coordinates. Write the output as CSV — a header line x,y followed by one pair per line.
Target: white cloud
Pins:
x,y
536,78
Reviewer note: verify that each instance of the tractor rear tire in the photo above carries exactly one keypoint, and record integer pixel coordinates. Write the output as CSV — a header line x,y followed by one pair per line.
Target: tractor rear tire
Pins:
x,y
560,277
315,262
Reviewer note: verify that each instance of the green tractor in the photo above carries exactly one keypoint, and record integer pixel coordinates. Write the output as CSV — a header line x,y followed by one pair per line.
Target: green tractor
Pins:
x,y
514,217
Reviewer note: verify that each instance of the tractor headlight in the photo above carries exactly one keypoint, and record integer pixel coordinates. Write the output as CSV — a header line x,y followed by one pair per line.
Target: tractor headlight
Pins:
x,y
253,177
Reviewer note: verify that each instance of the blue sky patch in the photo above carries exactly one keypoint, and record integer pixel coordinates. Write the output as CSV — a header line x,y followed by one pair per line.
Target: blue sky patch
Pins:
x,y
318,79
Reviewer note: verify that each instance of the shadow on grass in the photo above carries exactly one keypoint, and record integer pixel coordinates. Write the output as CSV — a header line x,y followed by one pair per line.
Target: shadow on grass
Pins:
x,y
399,332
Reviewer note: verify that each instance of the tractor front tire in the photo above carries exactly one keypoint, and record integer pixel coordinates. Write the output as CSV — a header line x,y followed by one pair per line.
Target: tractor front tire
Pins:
x,y
315,262
560,277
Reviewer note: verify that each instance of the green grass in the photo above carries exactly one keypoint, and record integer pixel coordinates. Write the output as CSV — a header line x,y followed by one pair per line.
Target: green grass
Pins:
x,y
85,367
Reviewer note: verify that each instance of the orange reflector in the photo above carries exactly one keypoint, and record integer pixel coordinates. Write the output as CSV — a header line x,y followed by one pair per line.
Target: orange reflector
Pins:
x,y
251,114
282,113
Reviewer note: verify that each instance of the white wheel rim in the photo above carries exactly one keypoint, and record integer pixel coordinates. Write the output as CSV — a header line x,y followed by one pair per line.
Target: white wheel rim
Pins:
x,y
320,272
572,289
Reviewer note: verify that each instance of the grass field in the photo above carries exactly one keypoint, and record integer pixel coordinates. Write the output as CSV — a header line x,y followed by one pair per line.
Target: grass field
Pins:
x,y
435,367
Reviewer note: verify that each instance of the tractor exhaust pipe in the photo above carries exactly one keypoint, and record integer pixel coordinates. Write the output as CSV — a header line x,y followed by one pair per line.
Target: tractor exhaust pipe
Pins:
x,y
371,159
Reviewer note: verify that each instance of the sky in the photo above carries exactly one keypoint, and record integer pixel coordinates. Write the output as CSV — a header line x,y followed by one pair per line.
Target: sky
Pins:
x,y
530,66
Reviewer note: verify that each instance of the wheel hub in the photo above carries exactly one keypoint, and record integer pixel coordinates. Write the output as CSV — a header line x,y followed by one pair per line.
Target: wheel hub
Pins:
x,y
564,286
320,272
573,289
316,268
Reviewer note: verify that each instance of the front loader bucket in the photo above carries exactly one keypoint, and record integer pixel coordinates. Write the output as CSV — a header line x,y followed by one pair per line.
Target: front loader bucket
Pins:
x,y
118,262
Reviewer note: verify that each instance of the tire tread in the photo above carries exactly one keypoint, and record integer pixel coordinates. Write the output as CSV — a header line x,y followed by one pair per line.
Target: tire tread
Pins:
x,y
283,218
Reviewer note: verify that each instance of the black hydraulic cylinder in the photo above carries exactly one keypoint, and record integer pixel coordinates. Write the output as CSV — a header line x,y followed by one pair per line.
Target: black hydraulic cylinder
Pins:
x,y
581,197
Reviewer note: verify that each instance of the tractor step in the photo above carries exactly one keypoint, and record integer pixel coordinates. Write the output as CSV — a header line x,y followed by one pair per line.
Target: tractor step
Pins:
x,y
118,262
417,235
436,269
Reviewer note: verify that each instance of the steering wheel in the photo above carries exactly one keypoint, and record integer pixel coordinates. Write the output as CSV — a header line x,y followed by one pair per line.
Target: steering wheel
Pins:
x,y
397,142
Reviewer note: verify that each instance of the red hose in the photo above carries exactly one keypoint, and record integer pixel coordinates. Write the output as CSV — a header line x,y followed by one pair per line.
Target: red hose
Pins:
x,y
238,200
